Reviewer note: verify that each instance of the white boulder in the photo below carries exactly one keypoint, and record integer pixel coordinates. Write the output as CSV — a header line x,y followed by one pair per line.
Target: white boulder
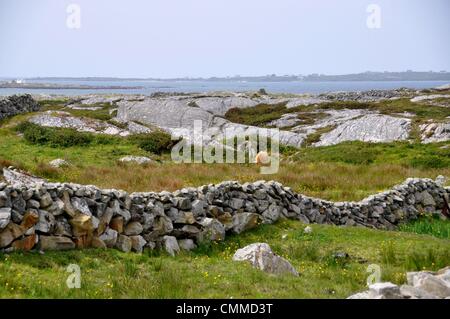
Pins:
x,y
261,256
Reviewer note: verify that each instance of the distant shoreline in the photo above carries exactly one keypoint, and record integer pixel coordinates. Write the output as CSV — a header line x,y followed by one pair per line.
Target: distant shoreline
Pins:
x,y
356,77
51,86
145,88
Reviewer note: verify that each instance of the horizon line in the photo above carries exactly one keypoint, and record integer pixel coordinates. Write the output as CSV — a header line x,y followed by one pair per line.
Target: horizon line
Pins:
x,y
214,77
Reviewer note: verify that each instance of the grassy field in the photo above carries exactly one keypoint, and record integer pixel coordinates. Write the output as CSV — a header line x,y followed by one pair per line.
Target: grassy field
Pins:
x,y
261,115
209,271
348,171
314,172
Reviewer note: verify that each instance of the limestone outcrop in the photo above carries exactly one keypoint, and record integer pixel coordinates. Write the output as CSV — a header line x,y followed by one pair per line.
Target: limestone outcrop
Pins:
x,y
420,285
369,128
261,256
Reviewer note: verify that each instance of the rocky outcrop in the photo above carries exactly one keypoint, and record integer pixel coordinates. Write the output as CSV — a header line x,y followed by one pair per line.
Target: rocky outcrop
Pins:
x,y
59,162
422,98
175,114
435,132
367,96
136,159
89,216
261,256
14,176
369,128
420,285
17,104
65,120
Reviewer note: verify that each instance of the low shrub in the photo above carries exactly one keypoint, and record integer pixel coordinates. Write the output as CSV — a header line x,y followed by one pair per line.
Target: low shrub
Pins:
x,y
53,137
257,116
61,137
430,161
156,142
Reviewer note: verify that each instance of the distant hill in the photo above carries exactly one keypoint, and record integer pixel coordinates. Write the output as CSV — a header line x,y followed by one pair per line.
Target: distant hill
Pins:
x,y
365,76
382,76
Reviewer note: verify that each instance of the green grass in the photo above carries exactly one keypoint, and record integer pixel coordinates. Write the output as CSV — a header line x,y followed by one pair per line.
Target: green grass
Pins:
x,y
422,111
259,115
16,149
403,153
348,171
102,114
430,225
209,272
62,137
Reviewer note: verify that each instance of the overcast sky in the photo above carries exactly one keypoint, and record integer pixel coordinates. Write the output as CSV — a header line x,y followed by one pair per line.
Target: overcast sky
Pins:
x,y
177,38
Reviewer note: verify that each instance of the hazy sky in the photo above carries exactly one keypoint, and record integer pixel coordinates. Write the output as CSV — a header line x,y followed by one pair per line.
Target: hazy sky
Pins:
x,y
177,38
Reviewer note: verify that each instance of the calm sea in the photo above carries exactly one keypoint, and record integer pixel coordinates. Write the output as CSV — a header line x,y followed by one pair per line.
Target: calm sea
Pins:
x,y
149,87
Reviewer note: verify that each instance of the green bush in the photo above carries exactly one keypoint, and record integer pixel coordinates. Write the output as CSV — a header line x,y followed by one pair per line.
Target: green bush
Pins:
x,y
155,142
430,161
60,137
258,115
53,137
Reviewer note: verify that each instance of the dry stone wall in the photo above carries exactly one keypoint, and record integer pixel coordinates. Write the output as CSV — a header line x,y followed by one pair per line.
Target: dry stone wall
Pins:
x,y
54,216
16,104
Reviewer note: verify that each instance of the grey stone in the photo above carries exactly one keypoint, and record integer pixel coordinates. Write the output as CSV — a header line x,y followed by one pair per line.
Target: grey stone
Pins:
x,y
187,244
138,243
427,199
410,292
46,200
46,222
245,221
80,206
271,214
198,208
184,218
236,203
431,284
109,237
171,245
261,256
213,230
133,229
123,243
136,159
55,243
386,289
57,163
4,199
5,217
34,204
184,203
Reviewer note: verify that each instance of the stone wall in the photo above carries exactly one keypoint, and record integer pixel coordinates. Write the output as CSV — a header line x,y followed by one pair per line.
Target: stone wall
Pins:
x,y
16,104
64,216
